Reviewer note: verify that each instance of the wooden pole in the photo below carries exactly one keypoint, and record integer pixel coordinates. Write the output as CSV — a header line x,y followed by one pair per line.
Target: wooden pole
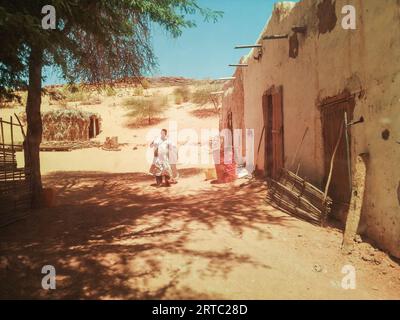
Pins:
x,y
275,37
93,127
299,29
259,142
298,169
20,124
298,148
10,123
328,182
226,78
215,102
12,145
346,126
4,148
249,46
217,92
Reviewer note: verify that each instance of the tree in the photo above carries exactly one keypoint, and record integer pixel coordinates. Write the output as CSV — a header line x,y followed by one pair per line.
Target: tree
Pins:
x,y
95,41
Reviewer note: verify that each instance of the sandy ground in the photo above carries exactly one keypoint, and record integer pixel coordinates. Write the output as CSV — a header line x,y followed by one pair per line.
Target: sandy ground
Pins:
x,y
134,150
113,235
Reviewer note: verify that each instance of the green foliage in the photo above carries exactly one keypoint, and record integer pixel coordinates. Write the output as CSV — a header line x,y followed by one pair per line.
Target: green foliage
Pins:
x,y
18,99
146,108
95,41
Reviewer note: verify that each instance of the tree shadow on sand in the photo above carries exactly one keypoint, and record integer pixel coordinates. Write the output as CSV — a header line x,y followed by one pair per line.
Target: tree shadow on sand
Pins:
x,y
139,123
108,237
204,113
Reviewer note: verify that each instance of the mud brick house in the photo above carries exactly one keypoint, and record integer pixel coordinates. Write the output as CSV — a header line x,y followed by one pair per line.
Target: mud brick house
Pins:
x,y
309,77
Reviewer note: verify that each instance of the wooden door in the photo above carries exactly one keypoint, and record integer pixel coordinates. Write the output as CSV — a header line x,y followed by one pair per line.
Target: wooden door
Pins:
x,y
333,115
230,122
273,124
91,128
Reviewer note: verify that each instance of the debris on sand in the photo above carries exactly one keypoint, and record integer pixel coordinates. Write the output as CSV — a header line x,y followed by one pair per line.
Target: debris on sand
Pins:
x,y
317,268
358,239
111,144
299,198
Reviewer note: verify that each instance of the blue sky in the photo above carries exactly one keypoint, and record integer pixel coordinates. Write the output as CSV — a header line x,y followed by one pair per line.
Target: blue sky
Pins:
x,y
206,50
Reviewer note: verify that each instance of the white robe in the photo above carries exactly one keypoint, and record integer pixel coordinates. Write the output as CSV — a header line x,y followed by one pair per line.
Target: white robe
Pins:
x,y
161,165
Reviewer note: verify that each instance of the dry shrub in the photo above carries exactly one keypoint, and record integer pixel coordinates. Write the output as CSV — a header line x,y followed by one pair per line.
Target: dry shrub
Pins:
x,y
75,93
138,91
145,84
23,98
91,101
182,94
145,109
110,91
17,101
55,96
178,99
202,94
63,104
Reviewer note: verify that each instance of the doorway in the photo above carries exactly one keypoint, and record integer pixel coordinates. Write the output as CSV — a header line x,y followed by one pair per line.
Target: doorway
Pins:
x,y
94,127
272,104
333,112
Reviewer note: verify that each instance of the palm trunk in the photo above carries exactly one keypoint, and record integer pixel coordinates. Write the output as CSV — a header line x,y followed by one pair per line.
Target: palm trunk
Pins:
x,y
34,123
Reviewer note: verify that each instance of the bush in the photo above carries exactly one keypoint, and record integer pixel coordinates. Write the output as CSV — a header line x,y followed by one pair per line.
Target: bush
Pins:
x,y
146,108
91,101
3,104
145,84
23,98
178,99
110,91
202,95
19,99
75,93
131,102
63,104
55,95
138,91
182,94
